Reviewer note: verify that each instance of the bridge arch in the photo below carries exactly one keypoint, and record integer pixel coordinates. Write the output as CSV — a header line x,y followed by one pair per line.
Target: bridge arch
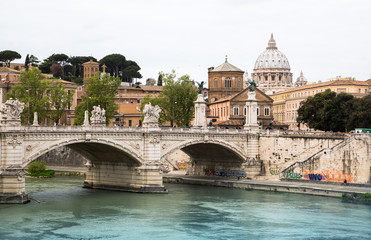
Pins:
x,y
89,149
211,154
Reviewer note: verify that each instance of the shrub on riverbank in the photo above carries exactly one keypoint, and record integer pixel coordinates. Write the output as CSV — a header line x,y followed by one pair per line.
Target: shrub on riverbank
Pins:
x,y
364,198
38,169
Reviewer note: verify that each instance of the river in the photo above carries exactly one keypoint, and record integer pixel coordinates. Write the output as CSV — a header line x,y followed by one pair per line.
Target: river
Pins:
x,y
68,211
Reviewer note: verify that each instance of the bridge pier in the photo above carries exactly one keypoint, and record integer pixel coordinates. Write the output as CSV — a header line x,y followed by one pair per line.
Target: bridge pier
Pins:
x,y
121,177
12,188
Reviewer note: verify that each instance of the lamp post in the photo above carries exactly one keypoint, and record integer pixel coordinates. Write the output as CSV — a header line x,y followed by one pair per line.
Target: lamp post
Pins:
x,y
172,125
28,119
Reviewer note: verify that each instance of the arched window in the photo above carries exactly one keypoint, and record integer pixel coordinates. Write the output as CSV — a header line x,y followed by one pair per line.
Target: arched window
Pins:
x,y
228,83
215,83
239,83
244,110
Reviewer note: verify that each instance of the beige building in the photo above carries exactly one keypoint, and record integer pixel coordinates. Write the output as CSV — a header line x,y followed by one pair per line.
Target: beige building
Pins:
x,y
286,103
129,99
230,112
223,81
272,70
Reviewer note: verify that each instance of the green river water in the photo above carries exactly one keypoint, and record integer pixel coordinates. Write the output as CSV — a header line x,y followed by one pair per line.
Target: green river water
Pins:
x,y
68,211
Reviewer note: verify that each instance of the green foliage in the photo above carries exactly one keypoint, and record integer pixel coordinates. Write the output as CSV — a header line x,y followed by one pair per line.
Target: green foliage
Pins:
x,y
100,91
176,100
32,91
48,98
159,80
118,66
366,196
60,100
360,116
8,56
36,167
326,111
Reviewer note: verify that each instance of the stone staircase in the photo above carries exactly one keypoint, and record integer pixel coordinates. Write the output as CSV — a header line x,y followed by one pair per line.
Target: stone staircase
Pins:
x,y
311,161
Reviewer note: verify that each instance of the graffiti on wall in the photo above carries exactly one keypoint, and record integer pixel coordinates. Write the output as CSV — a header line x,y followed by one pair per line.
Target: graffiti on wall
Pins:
x,y
182,165
224,173
328,175
275,171
293,176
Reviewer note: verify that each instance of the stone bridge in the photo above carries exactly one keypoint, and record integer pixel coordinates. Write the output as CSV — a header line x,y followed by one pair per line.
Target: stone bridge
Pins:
x,y
126,159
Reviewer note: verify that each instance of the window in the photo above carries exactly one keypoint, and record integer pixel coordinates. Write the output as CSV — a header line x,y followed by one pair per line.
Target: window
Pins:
x,y
266,78
129,123
239,83
366,90
245,110
266,111
272,78
279,78
215,83
236,111
228,83
257,111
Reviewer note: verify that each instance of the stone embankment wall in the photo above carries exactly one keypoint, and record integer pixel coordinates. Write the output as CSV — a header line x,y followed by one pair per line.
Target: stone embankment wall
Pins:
x,y
318,159
63,156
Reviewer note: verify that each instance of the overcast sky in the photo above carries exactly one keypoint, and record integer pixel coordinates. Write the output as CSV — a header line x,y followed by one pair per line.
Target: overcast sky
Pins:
x,y
323,38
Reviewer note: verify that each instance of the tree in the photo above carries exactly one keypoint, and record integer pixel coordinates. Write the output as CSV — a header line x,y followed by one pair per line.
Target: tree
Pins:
x,y
100,91
26,62
159,80
54,58
130,71
56,70
360,117
326,111
176,100
115,63
60,100
8,56
118,66
32,91
31,60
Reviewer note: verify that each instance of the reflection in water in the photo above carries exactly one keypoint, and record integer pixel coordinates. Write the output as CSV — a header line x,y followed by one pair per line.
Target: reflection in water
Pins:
x,y
68,211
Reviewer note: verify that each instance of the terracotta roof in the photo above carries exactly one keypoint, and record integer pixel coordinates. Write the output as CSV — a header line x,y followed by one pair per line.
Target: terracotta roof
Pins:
x,y
151,88
9,70
231,122
226,67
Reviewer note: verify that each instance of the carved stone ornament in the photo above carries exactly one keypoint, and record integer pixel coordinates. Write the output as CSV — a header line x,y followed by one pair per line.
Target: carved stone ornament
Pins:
x,y
98,116
11,111
151,115
14,141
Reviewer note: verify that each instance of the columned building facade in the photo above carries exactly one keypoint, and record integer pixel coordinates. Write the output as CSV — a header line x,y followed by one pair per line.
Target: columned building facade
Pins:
x,y
272,70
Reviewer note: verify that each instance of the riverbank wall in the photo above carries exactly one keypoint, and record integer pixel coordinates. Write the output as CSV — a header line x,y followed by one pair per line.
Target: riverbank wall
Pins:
x,y
328,190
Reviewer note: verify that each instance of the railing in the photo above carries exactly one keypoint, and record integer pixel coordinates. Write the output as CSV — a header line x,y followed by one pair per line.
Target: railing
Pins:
x,y
110,129
310,160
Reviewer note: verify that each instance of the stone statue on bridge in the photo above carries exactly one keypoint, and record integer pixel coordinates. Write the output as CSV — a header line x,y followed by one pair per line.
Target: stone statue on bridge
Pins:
x,y
151,115
98,116
11,112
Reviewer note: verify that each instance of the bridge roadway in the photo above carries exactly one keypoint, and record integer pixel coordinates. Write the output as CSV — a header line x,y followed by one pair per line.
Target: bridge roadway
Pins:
x,y
125,159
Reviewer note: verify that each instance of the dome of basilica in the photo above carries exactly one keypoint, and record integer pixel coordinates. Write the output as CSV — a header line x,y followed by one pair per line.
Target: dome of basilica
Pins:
x,y
272,58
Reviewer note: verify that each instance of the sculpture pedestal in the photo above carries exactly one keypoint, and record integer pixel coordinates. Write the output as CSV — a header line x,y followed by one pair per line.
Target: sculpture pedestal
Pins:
x,y
200,112
251,121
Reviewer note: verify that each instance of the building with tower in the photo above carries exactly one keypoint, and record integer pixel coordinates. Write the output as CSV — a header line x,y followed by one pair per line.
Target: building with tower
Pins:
x,y
272,70
224,81
90,69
